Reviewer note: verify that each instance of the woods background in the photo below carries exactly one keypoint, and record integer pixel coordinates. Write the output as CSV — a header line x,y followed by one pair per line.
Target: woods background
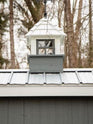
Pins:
x,y
75,17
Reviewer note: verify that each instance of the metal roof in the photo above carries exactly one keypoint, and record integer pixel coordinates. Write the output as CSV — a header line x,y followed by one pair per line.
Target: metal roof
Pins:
x,y
69,76
45,27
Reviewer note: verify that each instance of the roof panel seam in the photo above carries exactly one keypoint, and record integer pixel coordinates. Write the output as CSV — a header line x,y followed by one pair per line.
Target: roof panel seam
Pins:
x,y
61,80
44,76
27,80
10,77
92,72
78,77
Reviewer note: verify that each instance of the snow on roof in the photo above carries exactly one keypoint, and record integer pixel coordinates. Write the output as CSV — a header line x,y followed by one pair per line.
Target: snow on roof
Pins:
x,y
69,76
45,27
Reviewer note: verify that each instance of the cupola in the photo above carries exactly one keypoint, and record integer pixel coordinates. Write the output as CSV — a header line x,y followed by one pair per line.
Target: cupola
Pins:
x,y
47,47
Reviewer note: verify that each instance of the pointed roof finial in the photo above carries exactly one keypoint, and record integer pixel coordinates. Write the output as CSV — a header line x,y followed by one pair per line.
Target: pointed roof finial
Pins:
x,y
45,13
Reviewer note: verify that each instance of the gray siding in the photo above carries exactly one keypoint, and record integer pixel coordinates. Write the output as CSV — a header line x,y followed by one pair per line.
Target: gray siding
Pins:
x,y
46,110
46,63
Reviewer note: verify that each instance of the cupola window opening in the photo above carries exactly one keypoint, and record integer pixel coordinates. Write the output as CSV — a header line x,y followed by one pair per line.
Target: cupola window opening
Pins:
x,y
45,46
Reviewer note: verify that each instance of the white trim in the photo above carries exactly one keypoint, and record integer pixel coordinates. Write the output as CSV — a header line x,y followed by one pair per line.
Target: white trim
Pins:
x,y
65,69
12,91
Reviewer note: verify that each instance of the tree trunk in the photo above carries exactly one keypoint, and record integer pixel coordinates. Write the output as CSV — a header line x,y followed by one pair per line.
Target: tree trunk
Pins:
x,y
60,9
65,45
69,31
90,61
12,36
2,27
72,34
77,33
79,52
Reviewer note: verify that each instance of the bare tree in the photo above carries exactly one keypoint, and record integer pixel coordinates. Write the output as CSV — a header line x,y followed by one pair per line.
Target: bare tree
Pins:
x,y
72,32
12,35
60,10
79,52
69,31
32,11
77,34
90,58
3,24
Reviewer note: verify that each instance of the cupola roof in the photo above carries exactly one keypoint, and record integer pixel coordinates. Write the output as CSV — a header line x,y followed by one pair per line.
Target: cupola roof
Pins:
x,y
45,27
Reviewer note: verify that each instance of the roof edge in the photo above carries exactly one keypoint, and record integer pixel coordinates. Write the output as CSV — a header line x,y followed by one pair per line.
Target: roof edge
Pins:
x,y
45,91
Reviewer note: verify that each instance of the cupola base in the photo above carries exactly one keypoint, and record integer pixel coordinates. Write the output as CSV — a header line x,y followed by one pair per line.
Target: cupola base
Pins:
x,y
46,63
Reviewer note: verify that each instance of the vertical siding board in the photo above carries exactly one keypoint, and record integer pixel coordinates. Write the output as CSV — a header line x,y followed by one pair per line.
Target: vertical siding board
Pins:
x,y
76,112
3,111
60,109
68,111
51,111
90,112
15,111
36,112
79,110
83,112
32,111
46,110
28,111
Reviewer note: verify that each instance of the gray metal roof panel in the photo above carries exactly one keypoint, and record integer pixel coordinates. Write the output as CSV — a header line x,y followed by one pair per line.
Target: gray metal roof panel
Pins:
x,y
86,77
18,78
4,77
69,76
36,79
53,79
